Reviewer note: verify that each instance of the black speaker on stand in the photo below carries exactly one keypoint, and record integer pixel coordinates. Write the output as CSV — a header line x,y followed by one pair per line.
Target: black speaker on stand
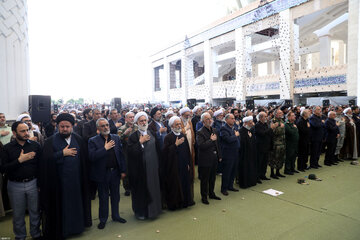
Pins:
x,y
40,108
326,103
191,103
249,104
116,103
288,103
352,102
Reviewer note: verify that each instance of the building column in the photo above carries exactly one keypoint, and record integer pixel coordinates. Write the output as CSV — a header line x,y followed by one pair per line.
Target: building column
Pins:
x,y
325,50
186,62
341,52
14,58
243,62
287,65
208,73
167,79
353,47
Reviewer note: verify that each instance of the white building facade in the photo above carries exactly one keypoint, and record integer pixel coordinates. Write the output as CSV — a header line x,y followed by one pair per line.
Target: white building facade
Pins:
x,y
280,49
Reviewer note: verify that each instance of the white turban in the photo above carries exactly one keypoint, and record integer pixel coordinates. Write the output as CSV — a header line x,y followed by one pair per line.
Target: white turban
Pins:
x,y
346,110
195,109
184,110
247,119
172,120
20,117
168,113
139,114
218,112
302,109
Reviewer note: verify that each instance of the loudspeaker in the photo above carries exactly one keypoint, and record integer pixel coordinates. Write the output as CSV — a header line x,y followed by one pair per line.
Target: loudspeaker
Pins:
x,y
326,103
191,103
352,102
116,103
249,104
288,103
40,108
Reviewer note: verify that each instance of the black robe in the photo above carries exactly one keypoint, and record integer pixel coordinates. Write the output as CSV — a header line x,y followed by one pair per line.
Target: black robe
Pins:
x,y
50,186
247,165
140,194
176,164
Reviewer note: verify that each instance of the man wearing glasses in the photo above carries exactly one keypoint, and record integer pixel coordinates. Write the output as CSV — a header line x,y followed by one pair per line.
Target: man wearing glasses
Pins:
x,y
107,168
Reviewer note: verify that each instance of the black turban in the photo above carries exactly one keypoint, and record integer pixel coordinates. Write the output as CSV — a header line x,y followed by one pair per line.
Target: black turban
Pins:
x,y
65,117
153,111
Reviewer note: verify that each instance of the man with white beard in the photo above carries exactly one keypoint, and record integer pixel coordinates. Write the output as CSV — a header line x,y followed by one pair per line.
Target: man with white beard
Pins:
x,y
349,150
176,167
107,168
143,170
188,131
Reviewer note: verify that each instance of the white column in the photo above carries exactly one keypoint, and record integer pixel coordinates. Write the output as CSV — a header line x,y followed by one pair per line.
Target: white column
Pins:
x,y
341,52
185,62
243,62
286,32
353,73
325,50
209,66
167,79
14,58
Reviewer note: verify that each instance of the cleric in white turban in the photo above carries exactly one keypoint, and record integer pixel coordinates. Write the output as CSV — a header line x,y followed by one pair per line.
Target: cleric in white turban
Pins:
x,y
177,165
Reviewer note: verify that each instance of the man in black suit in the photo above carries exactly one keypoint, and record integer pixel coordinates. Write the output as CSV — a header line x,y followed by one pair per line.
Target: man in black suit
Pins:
x,y
230,145
87,118
264,141
303,126
209,155
107,168
114,122
89,129
332,133
317,135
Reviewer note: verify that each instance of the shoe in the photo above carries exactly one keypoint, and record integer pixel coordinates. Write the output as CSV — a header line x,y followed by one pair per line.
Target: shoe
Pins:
x,y
328,164
315,167
301,170
225,193
214,197
319,166
264,178
294,171
288,173
205,201
140,217
192,203
279,175
101,225
119,219
340,160
127,193
274,176
233,189
259,181
308,168
334,163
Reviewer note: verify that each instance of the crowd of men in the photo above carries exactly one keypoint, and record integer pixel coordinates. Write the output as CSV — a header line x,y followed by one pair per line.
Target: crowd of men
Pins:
x,y
54,171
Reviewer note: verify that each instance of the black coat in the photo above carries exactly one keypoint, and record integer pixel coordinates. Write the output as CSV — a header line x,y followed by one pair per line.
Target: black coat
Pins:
x,y
317,128
206,147
194,121
332,130
50,190
304,133
264,137
89,130
137,169
113,128
230,143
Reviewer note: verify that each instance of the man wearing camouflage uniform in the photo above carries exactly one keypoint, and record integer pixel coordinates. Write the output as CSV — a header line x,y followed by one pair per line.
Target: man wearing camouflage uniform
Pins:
x,y
277,155
124,132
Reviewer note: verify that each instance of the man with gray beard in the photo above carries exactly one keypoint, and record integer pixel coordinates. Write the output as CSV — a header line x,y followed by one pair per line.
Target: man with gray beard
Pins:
x,y
107,168
143,170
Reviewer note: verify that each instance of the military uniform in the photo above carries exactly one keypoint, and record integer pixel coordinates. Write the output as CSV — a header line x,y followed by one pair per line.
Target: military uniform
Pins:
x,y
277,155
292,143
